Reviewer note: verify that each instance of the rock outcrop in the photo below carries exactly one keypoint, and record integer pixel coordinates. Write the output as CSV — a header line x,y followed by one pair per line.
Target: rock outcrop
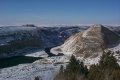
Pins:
x,y
91,42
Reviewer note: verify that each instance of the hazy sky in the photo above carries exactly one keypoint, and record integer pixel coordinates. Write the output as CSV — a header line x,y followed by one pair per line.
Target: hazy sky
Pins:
x,y
47,12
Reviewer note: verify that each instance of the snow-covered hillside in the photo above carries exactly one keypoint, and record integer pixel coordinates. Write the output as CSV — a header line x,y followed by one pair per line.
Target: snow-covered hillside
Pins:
x,y
89,42
47,67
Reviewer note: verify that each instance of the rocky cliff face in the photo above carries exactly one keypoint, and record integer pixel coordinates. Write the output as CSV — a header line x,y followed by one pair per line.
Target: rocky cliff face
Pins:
x,y
91,42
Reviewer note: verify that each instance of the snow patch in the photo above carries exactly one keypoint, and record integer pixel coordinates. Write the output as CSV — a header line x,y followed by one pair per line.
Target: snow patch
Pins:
x,y
56,50
38,54
85,33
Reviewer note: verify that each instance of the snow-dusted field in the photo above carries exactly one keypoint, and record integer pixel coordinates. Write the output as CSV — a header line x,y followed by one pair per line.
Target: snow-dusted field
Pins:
x,y
45,68
26,72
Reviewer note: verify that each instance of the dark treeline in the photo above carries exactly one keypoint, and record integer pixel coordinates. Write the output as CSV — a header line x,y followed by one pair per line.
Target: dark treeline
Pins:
x,y
106,69
20,44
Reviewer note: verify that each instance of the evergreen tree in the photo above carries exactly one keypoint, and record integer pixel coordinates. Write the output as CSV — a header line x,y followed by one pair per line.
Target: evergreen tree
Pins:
x,y
36,78
73,66
108,61
116,75
75,70
104,69
95,73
